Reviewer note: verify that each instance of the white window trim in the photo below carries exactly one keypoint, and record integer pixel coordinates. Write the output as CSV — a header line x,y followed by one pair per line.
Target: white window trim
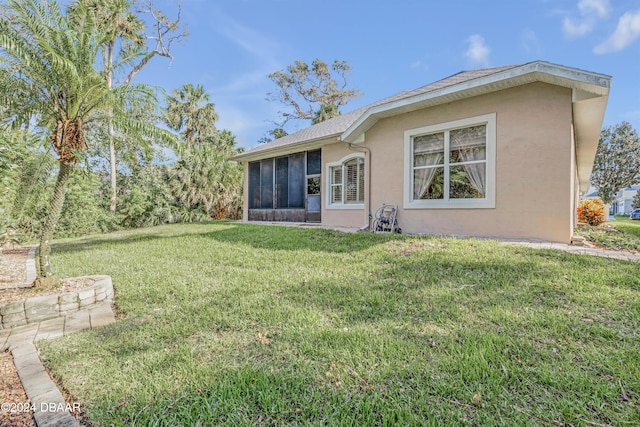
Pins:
x,y
489,202
341,206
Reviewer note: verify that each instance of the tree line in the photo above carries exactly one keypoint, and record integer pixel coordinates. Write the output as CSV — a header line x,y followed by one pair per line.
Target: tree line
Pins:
x,y
85,148
81,151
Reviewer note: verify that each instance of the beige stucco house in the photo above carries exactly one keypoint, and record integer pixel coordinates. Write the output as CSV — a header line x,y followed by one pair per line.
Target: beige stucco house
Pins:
x,y
498,152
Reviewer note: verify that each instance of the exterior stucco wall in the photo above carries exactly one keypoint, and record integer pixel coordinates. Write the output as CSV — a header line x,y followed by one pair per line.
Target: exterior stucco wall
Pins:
x,y
340,217
534,166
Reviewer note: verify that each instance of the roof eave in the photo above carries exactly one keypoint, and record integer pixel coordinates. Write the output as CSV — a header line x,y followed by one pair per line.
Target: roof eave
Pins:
x,y
594,84
286,149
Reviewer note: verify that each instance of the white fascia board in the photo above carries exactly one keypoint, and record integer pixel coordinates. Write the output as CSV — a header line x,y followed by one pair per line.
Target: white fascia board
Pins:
x,y
284,150
595,83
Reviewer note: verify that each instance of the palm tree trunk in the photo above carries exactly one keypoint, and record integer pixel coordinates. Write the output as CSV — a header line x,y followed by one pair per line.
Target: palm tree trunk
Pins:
x,y
112,165
55,210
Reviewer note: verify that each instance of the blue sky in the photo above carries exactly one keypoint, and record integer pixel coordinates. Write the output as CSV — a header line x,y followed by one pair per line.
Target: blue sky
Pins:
x,y
391,46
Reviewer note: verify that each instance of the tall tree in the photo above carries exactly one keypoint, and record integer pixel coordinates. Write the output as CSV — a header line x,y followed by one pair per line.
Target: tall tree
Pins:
x,y
205,178
273,134
48,71
126,49
617,162
313,92
190,113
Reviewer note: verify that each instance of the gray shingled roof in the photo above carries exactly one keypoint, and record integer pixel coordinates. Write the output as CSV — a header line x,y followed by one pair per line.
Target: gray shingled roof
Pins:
x,y
338,125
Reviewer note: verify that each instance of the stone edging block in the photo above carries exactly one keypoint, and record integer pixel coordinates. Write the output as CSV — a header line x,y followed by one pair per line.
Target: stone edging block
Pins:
x,y
45,307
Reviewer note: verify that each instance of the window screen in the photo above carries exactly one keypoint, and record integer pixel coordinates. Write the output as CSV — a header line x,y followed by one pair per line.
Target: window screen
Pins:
x,y
266,184
314,163
282,182
254,185
296,180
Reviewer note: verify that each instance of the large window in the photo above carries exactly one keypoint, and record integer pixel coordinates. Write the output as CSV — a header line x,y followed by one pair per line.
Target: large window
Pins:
x,y
346,183
451,165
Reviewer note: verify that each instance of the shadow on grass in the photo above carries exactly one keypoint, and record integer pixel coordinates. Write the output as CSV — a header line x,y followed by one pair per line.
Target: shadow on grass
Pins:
x,y
438,286
257,236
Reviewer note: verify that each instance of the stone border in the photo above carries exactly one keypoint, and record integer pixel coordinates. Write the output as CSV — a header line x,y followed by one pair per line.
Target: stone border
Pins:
x,y
45,307
31,267
49,406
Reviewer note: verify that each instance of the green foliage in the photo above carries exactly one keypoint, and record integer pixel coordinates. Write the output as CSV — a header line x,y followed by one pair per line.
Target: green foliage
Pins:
x,y
189,112
591,211
635,203
314,92
204,179
8,233
612,237
146,198
85,211
324,113
617,162
273,134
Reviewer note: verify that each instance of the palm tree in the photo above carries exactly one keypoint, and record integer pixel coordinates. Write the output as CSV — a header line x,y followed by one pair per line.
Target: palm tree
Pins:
x,y
190,113
205,178
115,20
48,70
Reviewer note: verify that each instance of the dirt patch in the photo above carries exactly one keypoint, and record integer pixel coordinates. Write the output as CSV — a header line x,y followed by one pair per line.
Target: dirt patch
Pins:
x,y
12,267
13,272
12,393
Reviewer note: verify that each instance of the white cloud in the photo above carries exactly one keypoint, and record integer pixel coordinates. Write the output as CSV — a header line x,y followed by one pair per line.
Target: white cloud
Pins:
x,y
590,11
420,65
600,8
627,31
576,29
478,52
530,42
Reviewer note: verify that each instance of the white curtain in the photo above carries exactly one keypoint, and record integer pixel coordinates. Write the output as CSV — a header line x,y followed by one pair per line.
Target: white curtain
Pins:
x,y
428,150
471,146
422,177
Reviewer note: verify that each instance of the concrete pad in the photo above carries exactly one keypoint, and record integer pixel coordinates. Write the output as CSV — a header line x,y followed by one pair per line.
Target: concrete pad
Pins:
x,y
49,329
101,315
76,322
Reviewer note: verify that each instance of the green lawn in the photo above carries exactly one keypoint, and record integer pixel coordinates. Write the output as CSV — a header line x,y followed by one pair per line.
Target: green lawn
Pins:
x,y
627,225
255,325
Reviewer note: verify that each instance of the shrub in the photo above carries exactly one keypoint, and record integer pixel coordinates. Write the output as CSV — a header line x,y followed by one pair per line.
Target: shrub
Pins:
x,y
592,211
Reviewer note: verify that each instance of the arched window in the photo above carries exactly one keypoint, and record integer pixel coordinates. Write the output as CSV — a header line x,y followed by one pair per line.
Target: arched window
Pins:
x,y
347,182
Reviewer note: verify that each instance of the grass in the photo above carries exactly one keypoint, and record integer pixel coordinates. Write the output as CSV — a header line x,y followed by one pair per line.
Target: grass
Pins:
x,y
628,226
230,324
622,234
